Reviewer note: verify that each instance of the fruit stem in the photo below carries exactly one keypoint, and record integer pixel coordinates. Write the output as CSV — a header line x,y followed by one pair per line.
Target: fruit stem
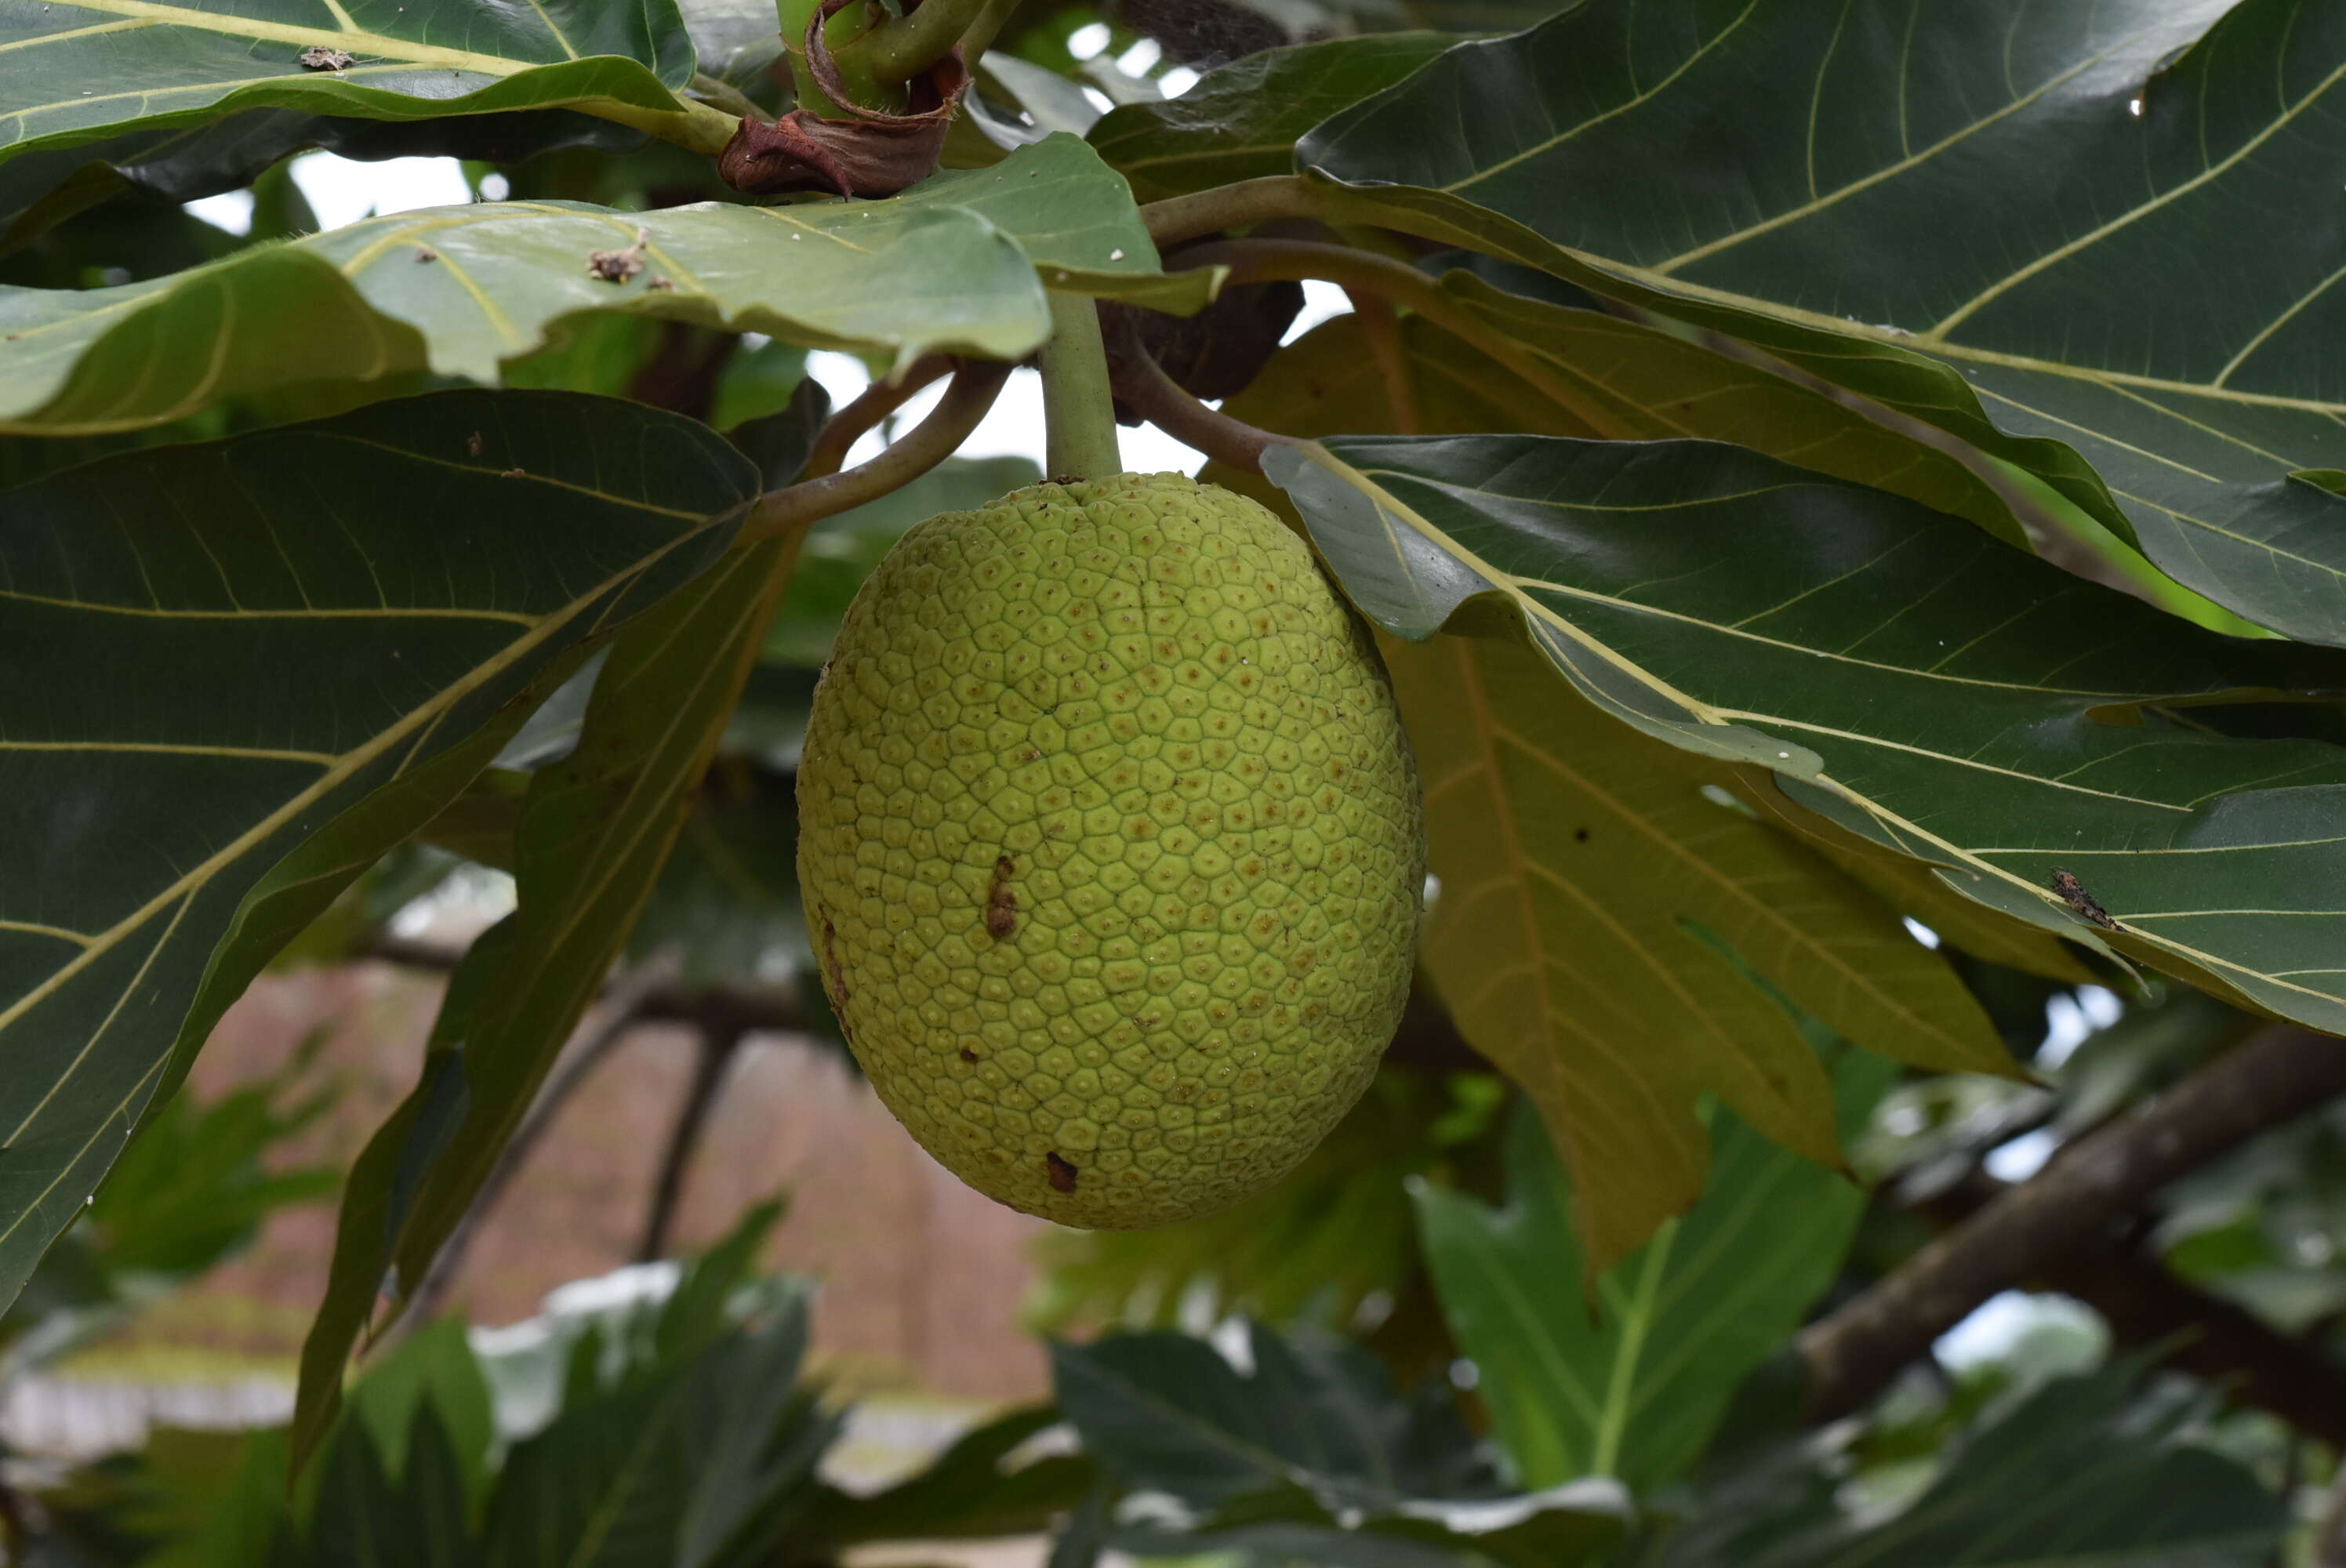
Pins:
x,y
1078,410
926,444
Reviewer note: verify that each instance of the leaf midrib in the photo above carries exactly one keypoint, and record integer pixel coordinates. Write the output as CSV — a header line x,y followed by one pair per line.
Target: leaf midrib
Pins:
x,y
350,762
148,13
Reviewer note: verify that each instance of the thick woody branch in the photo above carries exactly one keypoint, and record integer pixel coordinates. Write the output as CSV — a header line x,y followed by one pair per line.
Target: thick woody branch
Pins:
x,y
2279,1074
2148,1309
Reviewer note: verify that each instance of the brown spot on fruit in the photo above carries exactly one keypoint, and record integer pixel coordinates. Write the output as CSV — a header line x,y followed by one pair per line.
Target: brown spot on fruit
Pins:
x,y
834,978
1063,1174
1001,903
968,1055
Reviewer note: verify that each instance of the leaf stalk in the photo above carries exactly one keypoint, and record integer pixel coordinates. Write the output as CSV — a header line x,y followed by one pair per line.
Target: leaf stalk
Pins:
x,y
800,506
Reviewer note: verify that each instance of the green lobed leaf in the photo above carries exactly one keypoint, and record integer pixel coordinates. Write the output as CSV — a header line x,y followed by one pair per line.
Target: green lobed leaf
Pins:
x,y
1630,1379
958,264
1898,672
2077,1475
1167,1413
696,1461
81,71
1241,120
595,829
2138,315
215,720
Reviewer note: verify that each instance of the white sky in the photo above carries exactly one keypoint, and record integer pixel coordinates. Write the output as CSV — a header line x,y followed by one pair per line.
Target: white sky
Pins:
x,y
343,190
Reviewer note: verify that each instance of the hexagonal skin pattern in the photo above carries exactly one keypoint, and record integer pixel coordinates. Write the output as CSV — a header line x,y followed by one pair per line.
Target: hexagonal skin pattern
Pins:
x,y
1111,846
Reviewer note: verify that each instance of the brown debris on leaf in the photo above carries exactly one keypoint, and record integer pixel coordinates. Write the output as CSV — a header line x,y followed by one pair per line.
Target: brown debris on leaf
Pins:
x,y
321,59
2073,893
875,154
618,266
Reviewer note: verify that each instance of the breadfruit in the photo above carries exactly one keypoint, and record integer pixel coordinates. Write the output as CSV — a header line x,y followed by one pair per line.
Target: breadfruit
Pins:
x,y
1110,845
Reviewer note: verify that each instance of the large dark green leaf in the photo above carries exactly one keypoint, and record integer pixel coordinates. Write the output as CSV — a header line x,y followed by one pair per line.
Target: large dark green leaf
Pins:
x,y
235,673
39,188
1897,671
1630,1379
80,70
1167,1413
958,264
594,832
1838,168
1242,119
2078,1475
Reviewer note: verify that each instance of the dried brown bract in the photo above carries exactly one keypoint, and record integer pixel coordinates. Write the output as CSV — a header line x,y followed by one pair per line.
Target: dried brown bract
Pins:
x,y
875,154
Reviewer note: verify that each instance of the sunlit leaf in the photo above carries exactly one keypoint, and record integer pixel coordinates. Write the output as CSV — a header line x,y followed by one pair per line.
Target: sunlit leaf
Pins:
x,y
958,264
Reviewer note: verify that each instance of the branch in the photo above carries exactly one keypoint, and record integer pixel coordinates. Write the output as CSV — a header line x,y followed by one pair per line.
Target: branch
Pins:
x,y
718,1044
2279,1074
1143,385
926,444
2148,1308
883,397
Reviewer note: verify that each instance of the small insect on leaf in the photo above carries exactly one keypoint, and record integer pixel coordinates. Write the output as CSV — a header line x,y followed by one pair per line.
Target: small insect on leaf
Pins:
x,y
426,253
323,59
618,266
660,283
2073,893
473,444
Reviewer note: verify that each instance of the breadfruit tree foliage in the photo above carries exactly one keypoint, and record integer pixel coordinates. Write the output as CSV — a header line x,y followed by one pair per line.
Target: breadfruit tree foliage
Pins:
x,y
1812,471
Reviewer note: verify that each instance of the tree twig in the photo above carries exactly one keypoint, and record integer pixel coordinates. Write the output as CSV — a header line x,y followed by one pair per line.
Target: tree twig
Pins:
x,y
1143,385
875,402
2279,1074
926,444
718,1044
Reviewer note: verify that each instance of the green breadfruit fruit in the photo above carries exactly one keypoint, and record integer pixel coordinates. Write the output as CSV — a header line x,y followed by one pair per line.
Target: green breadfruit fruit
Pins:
x,y
1110,845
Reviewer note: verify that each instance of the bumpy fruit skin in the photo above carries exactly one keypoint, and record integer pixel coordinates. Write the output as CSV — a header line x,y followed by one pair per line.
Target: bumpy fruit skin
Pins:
x,y
1110,844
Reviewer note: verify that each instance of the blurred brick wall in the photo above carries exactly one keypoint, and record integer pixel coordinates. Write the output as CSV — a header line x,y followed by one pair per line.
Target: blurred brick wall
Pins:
x,y
921,1277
